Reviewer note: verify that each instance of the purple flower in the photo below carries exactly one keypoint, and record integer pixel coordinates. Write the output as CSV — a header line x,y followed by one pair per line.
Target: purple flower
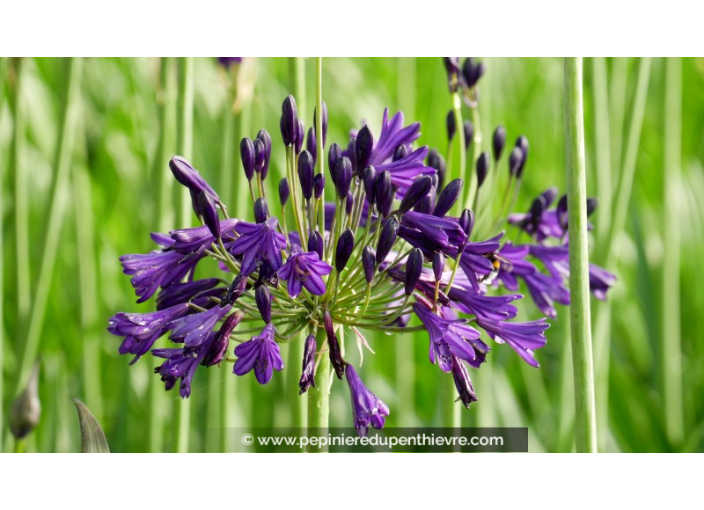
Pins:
x,y
141,330
523,337
196,239
305,270
194,329
449,338
260,245
156,269
432,234
219,344
308,370
600,281
467,300
463,383
183,292
180,364
366,407
475,256
260,354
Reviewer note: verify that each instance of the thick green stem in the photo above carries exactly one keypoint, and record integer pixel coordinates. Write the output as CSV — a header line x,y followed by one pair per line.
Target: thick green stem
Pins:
x,y
184,144
580,315
671,338
3,70
54,219
319,397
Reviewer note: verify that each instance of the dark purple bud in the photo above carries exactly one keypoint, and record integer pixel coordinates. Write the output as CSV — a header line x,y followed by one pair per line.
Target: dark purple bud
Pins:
x,y
263,299
315,243
436,161
289,121
226,62
218,348
333,346
237,287
418,189
448,197
209,213
308,370
369,263
400,153
264,136
349,204
467,222
438,265
522,143
482,168
498,141
364,146
345,247
471,71
310,144
369,180
452,66
451,125
247,155
300,136
318,185
343,177
468,134
514,160
549,196
427,203
305,174
325,121
562,212
536,210
334,155
284,191
462,382
414,266
261,210
591,205
387,238
384,193
259,155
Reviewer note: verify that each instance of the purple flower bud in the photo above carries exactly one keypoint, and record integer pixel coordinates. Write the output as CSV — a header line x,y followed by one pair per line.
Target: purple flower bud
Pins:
x,y
463,383
261,210
400,153
514,161
387,238
289,121
247,155
522,143
315,243
438,265
482,168
471,72
226,62
308,370
318,185
451,124
264,136
345,247
352,152
364,146
562,212
305,173
325,121
209,212
259,155
334,155
343,177
384,193
284,191
452,66
498,141
427,203
591,205
349,204
300,135
218,348
414,266
369,263
418,189
333,346
467,222
310,144
468,134
436,161
263,299
369,180
448,197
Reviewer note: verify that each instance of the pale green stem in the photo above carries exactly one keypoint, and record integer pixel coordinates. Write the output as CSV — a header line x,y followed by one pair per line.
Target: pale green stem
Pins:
x,y
671,338
184,144
54,219
3,70
319,397
580,316
462,172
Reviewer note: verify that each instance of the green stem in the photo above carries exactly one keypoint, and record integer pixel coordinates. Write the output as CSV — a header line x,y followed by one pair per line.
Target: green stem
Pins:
x,y
3,71
580,317
319,397
459,123
671,350
54,218
185,147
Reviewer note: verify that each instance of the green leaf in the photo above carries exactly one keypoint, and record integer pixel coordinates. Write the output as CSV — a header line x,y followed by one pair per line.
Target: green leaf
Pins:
x,y
92,436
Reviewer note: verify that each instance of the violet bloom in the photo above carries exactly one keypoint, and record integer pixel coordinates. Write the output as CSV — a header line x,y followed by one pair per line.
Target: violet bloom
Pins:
x,y
600,281
467,300
308,370
196,239
463,383
305,270
193,330
523,337
260,354
141,330
156,269
183,292
451,338
432,234
179,364
367,408
261,245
